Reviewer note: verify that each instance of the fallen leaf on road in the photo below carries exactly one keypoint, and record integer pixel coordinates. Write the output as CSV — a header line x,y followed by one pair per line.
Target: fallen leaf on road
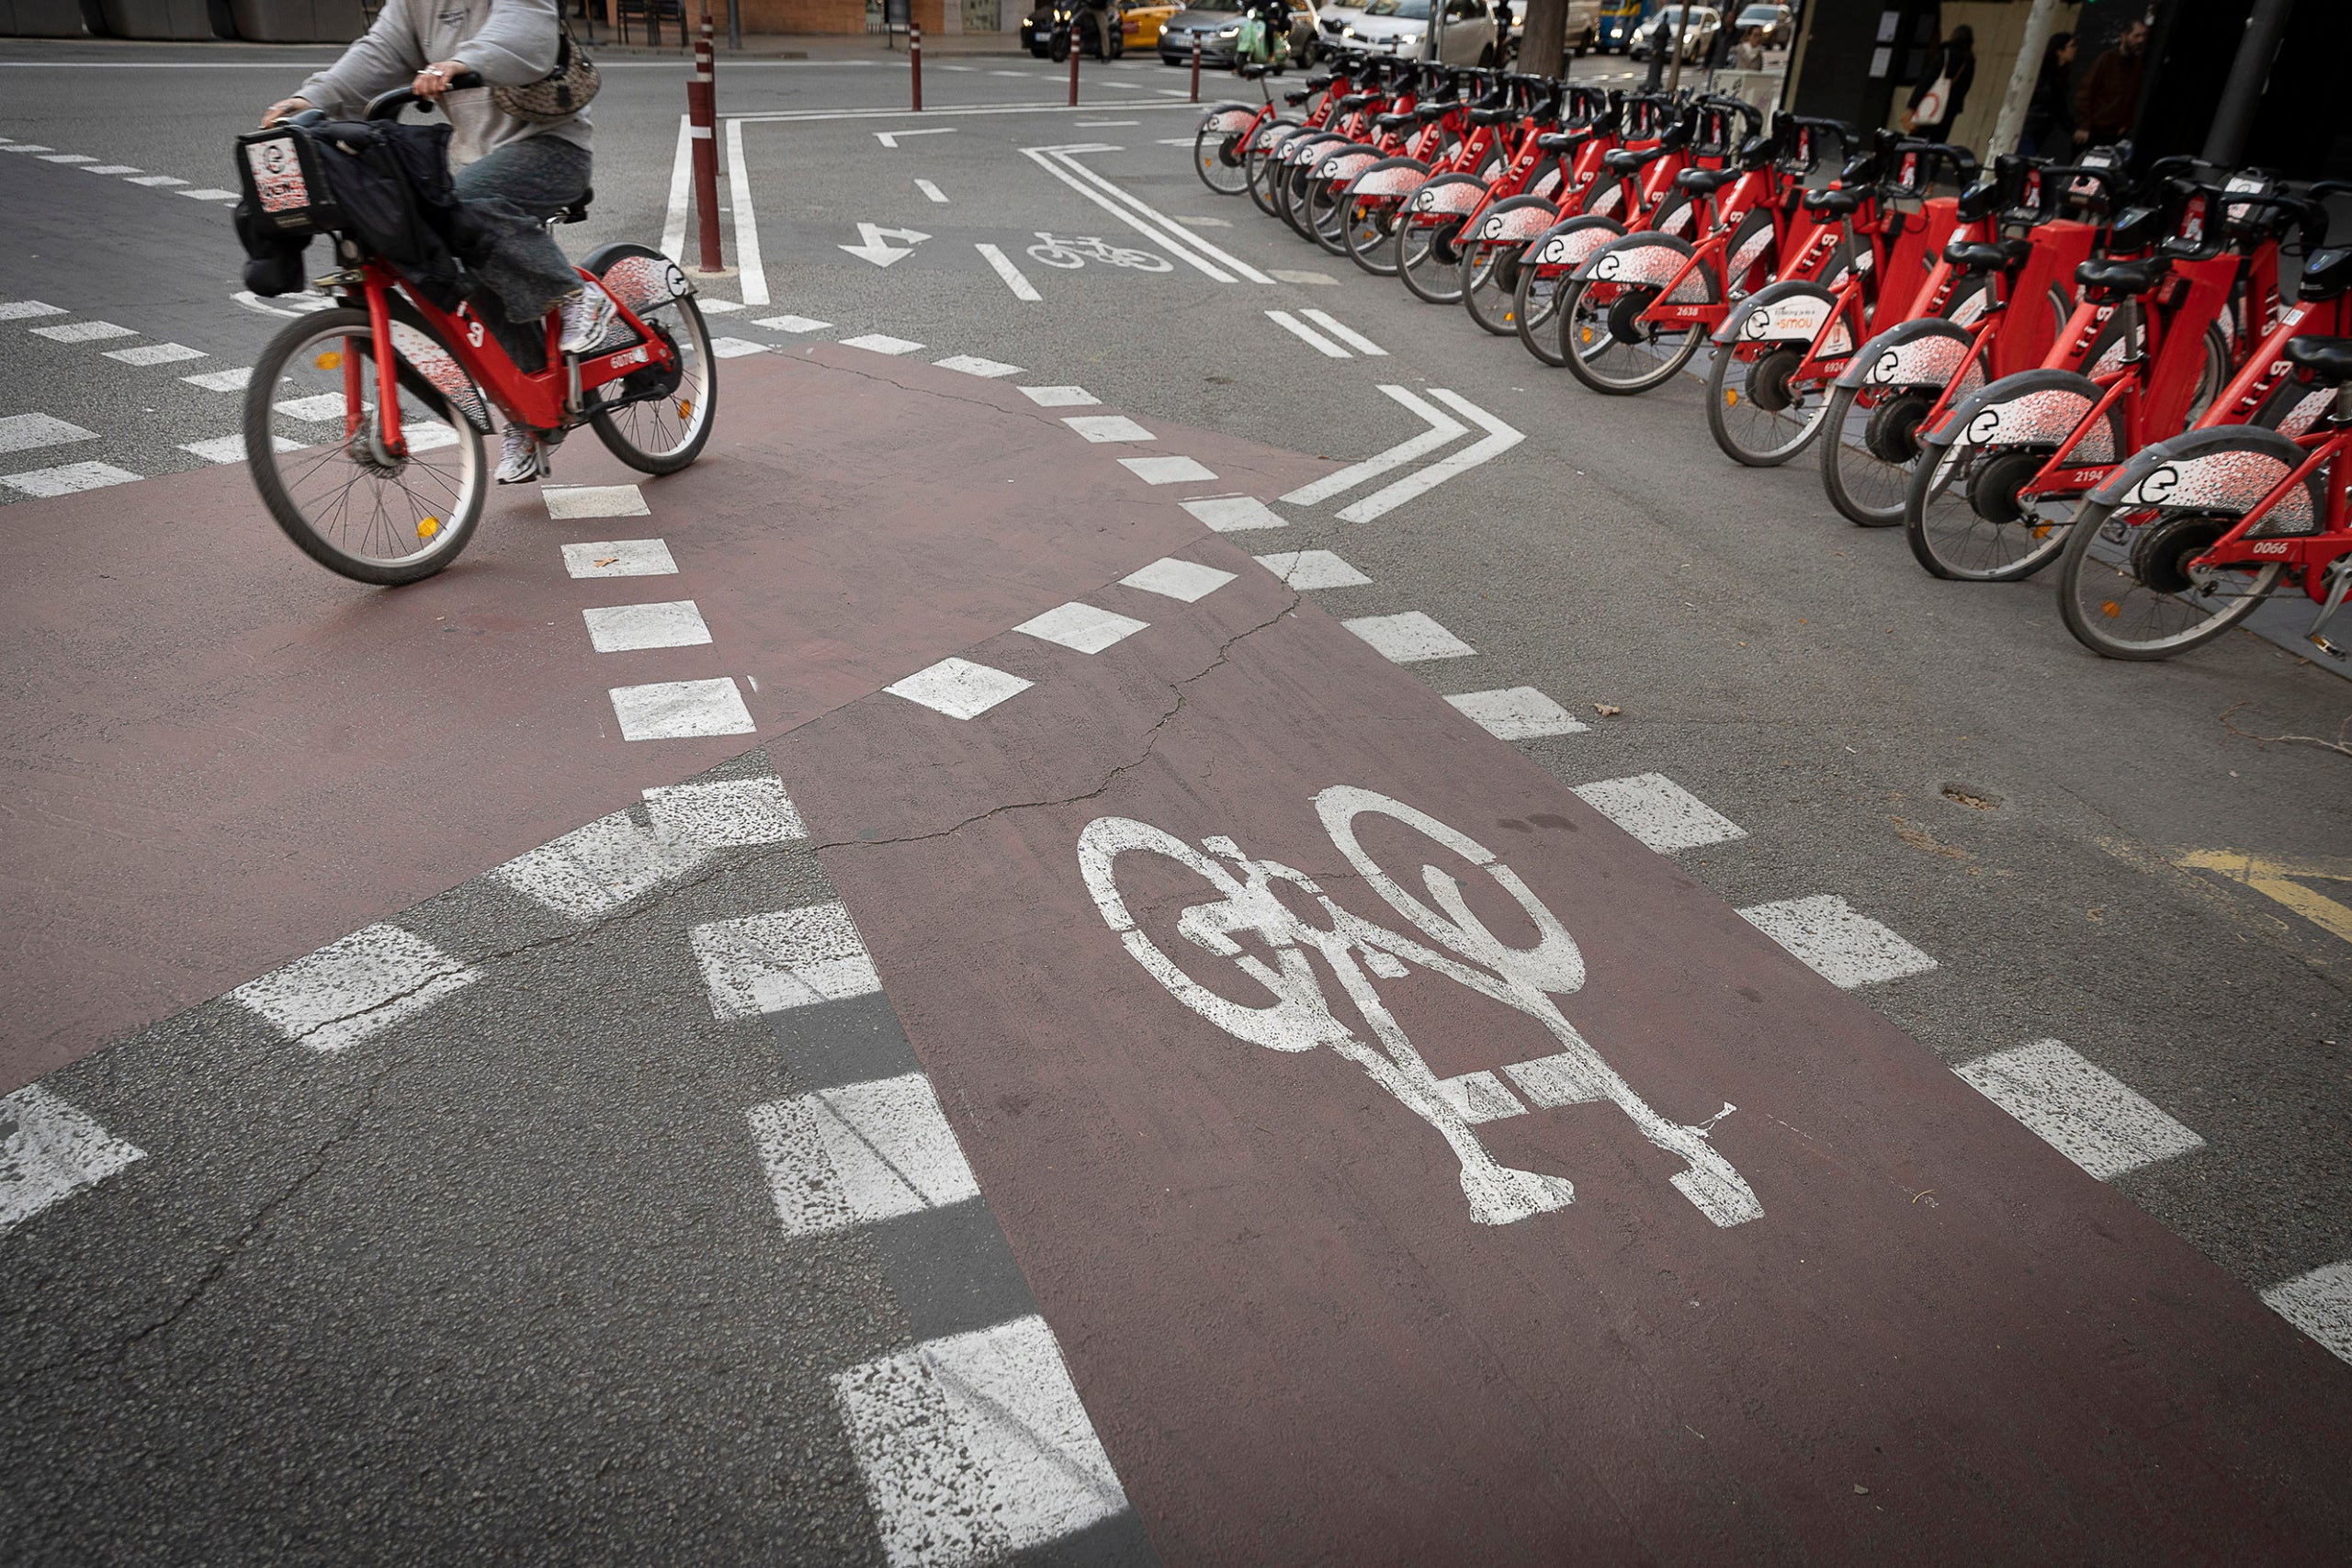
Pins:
x,y
1607,710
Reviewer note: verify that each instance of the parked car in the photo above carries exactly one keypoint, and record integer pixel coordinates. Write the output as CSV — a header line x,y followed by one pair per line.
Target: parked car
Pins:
x,y
1619,19
1470,34
1141,24
1332,21
1216,22
1779,24
1697,31
1095,23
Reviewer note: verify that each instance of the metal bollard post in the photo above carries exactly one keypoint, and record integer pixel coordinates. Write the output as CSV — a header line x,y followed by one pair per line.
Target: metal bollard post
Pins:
x,y
914,60
1073,63
701,111
1196,68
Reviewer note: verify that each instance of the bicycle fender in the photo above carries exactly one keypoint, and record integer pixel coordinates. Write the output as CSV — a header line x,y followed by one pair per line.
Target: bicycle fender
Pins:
x,y
1346,162
1228,119
1568,243
1449,193
1790,310
2228,469
2032,407
1305,149
638,278
1925,353
1391,177
424,359
1521,218
1649,261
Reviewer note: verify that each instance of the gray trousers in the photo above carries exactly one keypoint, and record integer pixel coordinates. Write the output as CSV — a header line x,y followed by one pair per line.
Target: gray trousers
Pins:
x,y
517,187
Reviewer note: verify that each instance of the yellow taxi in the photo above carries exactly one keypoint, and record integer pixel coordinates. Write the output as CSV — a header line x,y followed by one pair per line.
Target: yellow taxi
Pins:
x,y
1142,24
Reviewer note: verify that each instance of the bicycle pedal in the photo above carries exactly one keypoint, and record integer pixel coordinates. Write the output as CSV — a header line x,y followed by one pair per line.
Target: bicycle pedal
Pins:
x,y
2331,650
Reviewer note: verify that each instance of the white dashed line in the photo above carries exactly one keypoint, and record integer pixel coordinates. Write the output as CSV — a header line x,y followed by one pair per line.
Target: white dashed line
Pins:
x,y
1345,333
319,408
629,628
725,813
222,380
1188,580
1107,428
2097,1121
593,870
83,332
20,310
1081,626
958,688
159,181
232,448
67,480
620,558
748,272
791,323
154,353
931,192
1307,334
1409,638
790,958
735,347
679,710
711,305
1233,514
881,343
1843,947
1059,397
49,1151
1015,279
1313,569
352,990
859,1154
27,432
1517,713
211,195
973,365
2320,1303
68,158
112,169
1659,812
1166,471
564,502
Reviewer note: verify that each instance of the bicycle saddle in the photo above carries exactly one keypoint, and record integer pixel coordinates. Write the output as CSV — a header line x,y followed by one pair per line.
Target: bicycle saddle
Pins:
x,y
2327,274
2329,360
1705,182
1567,140
1294,99
1625,160
1833,203
1989,255
1356,101
2112,277
1492,117
1396,121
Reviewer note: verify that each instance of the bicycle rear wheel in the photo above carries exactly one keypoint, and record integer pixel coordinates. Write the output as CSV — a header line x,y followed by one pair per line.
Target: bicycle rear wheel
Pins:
x,y
329,481
1426,260
2128,592
658,421
1965,521
1757,415
1604,345
1489,283
1214,159
1867,453
1368,232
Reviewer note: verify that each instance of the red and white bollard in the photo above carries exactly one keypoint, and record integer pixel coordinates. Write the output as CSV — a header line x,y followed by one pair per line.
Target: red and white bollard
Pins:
x,y
1196,68
1073,63
914,60
701,113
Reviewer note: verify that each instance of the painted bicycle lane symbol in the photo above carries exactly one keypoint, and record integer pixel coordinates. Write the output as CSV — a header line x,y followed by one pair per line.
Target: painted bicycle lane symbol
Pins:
x,y
1357,953
1077,251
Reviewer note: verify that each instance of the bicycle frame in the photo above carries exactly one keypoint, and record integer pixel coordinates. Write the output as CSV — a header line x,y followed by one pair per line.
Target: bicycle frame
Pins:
x,y
2309,555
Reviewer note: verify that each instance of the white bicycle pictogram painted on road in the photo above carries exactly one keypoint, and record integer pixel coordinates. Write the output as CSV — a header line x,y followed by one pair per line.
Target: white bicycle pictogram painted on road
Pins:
x,y
1356,952
1078,250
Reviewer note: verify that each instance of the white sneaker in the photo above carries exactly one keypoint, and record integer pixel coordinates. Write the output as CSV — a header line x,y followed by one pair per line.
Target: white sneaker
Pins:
x,y
586,316
523,459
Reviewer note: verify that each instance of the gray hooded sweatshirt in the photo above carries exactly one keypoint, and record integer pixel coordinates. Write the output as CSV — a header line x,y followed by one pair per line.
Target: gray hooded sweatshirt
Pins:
x,y
510,42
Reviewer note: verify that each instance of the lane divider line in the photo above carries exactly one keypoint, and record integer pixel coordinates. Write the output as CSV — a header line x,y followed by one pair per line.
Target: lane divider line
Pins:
x,y
1307,335
681,169
1346,334
1023,290
749,271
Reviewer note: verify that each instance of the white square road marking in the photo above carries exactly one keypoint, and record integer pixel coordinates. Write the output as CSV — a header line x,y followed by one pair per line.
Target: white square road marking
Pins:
x,y
24,432
2320,1303
791,323
1313,569
1101,427
83,332
161,181
725,813
67,478
1234,513
222,380
21,310
858,1154
678,710
735,347
319,409
958,688
790,958
1845,947
973,365
1517,713
1166,471
626,628
1345,333
232,448
1188,580
975,1447
881,343
350,990
110,169
68,158
1081,626
566,501
710,305
620,558
154,353
1312,279
2095,1120
1409,638
598,868
1059,397
209,194
49,1151
1659,812
24,147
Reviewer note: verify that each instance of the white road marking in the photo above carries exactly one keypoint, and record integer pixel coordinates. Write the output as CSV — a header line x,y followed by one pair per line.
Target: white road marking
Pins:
x,y
67,158
1092,124
711,305
2320,1303
890,138
594,501
1234,513
1309,279
1313,569
593,870
1307,334
973,365
1188,580
1166,471
1843,947
2095,1120
112,169
296,304
620,558
83,332
975,1447
1442,429
49,1151
161,181
1190,248
1023,290
209,194
735,347
790,958
1659,812
319,408
791,323
1059,397
748,270
25,432
958,688
626,628
232,448
1409,638
1081,626
859,1155
881,343
682,175
1205,222
673,710
352,990
18,309
424,434
1517,713
222,380
1500,438
931,192
1345,333
154,353
870,243
24,147
721,814
1108,427
67,478
1024,75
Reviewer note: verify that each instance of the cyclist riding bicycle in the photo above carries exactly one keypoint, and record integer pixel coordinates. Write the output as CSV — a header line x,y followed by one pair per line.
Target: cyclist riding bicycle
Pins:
x,y
512,173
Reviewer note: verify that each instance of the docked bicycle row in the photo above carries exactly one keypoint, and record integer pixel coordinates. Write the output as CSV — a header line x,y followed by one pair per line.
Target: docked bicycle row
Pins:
x,y
2140,377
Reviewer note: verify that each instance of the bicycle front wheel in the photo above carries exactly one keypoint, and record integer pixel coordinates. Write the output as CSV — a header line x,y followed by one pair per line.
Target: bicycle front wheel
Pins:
x,y
1426,260
2131,593
1966,521
1490,283
1866,454
1604,344
1757,414
315,437
1368,232
1214,160
657,420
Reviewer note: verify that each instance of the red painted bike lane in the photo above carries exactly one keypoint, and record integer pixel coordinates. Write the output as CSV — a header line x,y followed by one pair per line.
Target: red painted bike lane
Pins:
x,y
1902,1328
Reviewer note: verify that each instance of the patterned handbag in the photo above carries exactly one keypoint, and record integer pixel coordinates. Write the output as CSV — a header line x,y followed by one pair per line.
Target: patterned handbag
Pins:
x,y
561,93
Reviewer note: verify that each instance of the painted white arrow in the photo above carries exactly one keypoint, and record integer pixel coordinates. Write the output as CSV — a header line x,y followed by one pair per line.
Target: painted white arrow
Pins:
x,y
1441,429
872,248
1500,438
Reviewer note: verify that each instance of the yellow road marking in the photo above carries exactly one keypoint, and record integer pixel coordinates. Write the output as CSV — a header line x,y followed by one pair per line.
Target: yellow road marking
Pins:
x,y
2274,876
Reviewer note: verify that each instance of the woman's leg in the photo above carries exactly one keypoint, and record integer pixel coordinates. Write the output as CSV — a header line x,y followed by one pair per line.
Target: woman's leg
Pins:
x,y
517,187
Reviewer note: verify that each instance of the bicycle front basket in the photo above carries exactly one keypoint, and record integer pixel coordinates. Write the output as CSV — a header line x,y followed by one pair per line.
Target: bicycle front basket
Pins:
x,y
285,192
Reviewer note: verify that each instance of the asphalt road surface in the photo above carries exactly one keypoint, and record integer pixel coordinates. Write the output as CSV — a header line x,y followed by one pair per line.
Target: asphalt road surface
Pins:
x,y
1164,980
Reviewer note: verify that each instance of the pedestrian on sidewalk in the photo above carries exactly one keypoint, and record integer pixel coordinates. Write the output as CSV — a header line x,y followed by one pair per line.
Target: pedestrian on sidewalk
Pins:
x,y
2109,100
1942,91
2049,117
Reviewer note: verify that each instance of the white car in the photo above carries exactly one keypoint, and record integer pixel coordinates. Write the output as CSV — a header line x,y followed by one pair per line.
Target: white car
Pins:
x,y
1468,37
1698,30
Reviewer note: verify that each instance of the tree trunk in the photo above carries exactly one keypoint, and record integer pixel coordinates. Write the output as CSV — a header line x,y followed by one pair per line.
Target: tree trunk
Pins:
x,y
1540,45
2010,127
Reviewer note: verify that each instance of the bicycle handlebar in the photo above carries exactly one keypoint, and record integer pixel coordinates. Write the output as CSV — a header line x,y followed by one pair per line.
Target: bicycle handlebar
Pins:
x,y
388,106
